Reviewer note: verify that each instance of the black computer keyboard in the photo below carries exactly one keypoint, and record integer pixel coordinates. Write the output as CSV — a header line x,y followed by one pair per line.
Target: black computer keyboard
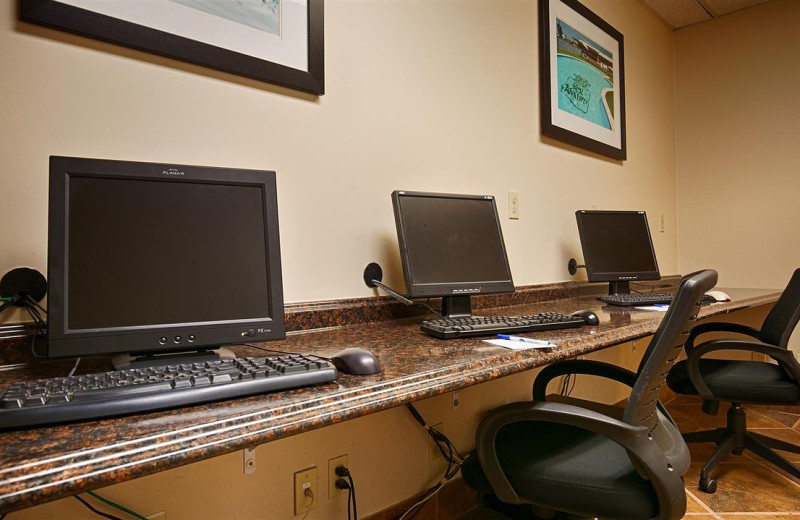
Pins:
x,y
448,328
636,299
120,392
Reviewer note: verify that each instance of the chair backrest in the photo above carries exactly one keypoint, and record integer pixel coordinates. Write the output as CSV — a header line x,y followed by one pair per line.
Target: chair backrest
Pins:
x,y
664,348
781,320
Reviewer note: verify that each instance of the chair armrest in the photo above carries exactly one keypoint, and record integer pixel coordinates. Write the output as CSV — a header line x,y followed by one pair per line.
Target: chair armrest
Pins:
x,y
645,454
783,356
579,366
586,367
704,328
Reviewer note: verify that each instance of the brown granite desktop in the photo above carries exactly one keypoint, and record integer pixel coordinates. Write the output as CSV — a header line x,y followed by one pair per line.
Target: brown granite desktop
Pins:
x,y
43,464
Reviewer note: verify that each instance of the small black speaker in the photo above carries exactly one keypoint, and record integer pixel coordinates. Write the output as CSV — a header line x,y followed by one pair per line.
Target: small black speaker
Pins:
x,y
23,281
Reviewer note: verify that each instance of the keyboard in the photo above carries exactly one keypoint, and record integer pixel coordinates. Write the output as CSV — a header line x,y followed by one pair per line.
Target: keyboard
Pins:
x,y
636,299
122,392
448,328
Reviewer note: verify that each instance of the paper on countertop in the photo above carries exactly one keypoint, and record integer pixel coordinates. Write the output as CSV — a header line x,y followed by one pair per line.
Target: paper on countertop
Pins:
x,y
517,345
659,308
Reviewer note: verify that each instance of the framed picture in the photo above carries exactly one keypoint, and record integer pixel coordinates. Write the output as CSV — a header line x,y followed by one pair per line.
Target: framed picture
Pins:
x,y
277,41
582,78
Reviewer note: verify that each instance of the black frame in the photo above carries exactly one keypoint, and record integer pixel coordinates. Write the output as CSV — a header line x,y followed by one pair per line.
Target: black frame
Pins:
x,y
546,54
58,15
463,289
614,277
63,341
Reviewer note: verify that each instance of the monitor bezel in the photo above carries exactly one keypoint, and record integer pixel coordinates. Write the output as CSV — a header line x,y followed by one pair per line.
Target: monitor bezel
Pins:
x,y
614,276
448,289
148,339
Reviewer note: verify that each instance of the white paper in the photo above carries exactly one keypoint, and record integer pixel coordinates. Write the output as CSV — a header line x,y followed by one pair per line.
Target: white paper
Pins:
x,y
517,345
659,308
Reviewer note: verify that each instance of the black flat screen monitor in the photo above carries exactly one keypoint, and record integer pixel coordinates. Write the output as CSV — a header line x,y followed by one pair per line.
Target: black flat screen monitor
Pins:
x,y
617,248
451,246
151,258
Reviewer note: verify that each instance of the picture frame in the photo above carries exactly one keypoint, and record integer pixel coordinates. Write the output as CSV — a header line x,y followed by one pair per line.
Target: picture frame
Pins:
x,y
582,76
275,41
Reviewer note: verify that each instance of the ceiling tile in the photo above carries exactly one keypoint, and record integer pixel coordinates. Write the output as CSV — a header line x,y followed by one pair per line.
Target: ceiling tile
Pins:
x,y
679,13
721,7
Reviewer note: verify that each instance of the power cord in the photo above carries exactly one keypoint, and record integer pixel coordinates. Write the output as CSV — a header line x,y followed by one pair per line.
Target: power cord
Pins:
x,y
350,486
110,503
451,455
568,384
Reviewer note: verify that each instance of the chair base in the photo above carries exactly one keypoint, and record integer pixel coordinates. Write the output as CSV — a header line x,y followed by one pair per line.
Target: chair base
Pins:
x,y
735,438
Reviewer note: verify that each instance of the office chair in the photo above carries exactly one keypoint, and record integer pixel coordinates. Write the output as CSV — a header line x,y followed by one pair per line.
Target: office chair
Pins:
x,y
738,382
589,459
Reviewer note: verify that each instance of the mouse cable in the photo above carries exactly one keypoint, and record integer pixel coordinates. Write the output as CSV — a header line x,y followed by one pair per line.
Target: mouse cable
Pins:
x,y
283,352
273,350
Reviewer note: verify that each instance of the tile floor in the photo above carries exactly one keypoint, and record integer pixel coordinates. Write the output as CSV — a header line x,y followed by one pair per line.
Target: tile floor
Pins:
x,y
748,487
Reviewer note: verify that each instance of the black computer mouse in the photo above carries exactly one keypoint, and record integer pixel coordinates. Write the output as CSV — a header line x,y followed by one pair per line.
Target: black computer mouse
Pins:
x,y
356,361
588,317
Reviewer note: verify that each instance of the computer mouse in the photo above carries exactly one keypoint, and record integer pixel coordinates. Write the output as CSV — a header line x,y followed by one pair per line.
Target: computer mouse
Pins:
x,y
356,361
589,318
716,296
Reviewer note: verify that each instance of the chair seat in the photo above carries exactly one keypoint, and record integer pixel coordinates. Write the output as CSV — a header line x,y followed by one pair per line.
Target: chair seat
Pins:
x,y
739,381
568,469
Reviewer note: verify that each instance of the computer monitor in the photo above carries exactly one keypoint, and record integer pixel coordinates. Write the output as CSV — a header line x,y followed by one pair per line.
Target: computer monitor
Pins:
x,y
152,258
451,246
617,248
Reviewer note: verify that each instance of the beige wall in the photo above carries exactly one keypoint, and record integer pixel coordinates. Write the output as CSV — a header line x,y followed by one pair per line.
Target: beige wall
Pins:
x,y
435,95
738,171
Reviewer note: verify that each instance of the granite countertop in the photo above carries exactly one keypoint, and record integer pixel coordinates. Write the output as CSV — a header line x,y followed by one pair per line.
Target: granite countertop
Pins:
x,y
43,464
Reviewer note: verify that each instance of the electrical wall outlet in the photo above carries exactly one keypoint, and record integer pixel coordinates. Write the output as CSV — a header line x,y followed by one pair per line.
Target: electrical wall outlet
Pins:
x,y
333,491
661,223
303,480
433,449
513,205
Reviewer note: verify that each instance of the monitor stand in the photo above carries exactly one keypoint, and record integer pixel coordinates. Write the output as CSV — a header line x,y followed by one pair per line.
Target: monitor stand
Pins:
x,y
622,287
456,306
142,360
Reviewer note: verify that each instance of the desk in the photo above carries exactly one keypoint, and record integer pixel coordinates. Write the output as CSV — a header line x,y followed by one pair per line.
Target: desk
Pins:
x,y
45,464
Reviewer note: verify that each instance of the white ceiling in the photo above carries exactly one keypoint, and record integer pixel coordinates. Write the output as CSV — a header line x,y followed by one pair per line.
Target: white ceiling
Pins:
x,y
680,13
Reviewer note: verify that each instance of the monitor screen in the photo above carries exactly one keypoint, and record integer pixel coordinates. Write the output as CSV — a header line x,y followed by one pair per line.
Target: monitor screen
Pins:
x,y
450,245
148,257
617,246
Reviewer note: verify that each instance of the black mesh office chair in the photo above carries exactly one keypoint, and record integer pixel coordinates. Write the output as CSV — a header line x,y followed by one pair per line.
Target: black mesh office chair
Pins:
x,y
738,382
590,459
